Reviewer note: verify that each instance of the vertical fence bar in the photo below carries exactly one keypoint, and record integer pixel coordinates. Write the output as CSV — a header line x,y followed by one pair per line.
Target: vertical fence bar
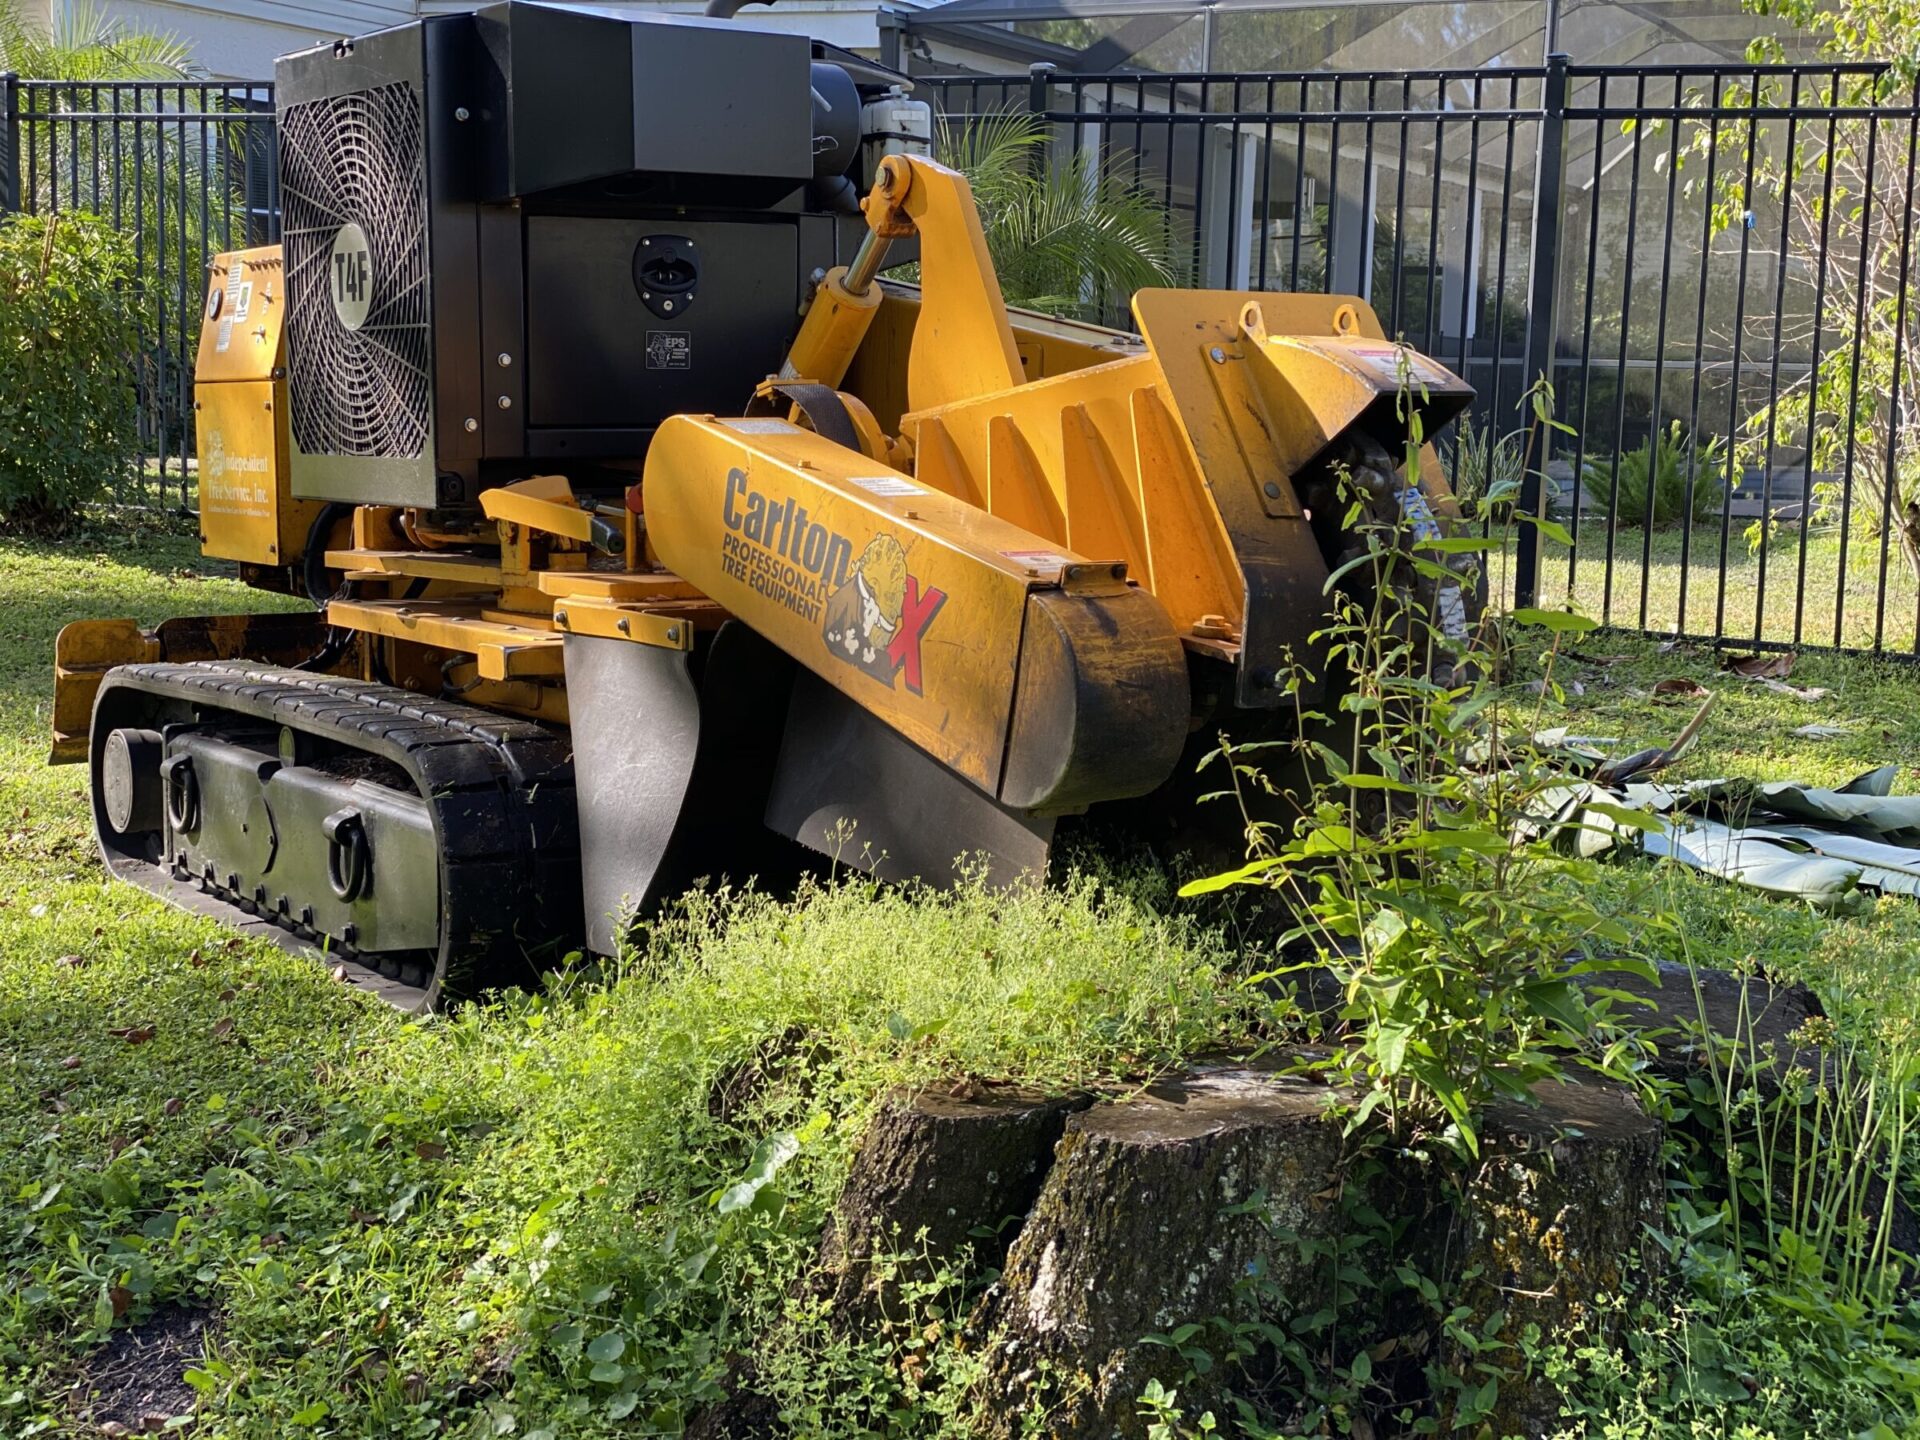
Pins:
x,y
1699,352
1620,363
1853,383
1550,177
1894,516
1813,368
1748,216
1586,336
9,143
1791,153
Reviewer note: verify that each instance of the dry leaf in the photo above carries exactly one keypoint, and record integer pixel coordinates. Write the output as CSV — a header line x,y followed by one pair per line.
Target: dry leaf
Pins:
x,y
1823,732
1679,688
121,1299
430,1150
1776,666
223,1025
174,1105
1812,692
71,962
72,1062
228,994
113,1428
134,1034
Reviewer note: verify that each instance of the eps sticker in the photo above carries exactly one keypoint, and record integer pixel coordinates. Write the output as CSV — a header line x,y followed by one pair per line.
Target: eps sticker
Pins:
x,y
669,349
875,620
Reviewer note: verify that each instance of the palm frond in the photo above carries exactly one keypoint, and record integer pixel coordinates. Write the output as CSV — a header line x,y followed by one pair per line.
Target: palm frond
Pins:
x,y
1066,236
85,44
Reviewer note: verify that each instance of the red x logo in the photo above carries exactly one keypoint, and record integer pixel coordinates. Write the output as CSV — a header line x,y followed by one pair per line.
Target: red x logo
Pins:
x,y
916,614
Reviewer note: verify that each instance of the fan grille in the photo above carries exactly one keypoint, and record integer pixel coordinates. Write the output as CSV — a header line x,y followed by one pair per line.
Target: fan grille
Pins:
x,y
357,160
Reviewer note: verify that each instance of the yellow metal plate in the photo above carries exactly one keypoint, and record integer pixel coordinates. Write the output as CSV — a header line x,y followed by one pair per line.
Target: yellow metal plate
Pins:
x,y
246,513
908,601
504,652
241,321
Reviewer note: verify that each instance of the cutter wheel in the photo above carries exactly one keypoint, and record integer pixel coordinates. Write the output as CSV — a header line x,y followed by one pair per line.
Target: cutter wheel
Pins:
x,y
430,849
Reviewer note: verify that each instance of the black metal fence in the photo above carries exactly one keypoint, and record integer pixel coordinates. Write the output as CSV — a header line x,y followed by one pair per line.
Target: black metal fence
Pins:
x,y
1710,265
186,171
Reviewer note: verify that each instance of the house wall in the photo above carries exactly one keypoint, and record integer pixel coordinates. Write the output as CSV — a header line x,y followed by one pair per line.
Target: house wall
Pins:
x,y
238,39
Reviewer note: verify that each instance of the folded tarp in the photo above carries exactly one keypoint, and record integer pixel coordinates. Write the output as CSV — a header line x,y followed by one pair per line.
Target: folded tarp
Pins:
x,y
1785,839
1866,804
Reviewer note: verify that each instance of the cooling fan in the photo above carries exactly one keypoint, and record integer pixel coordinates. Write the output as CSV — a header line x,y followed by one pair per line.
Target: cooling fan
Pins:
x,y
354,208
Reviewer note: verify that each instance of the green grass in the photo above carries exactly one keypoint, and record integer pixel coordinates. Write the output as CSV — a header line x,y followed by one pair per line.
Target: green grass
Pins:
x,y
1822,608
398,1226
445,1226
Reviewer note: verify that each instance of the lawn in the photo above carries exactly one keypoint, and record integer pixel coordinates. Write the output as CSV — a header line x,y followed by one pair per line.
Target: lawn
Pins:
x,y
336,1222
1811,598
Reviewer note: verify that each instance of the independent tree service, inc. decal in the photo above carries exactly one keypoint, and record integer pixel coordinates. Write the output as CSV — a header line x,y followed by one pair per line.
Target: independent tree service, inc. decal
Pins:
x,y
871,611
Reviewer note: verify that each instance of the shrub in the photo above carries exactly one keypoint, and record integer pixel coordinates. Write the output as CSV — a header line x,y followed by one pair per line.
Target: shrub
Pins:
x,y
1667,465
67,340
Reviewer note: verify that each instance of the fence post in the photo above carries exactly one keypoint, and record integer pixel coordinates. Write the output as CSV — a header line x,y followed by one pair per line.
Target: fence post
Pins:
x,y
1543,316
9,143
1039,82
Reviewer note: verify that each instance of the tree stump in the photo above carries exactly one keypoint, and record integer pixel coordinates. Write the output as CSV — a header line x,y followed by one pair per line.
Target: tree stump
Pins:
x,y
1555,1218
931,1172
1140,1228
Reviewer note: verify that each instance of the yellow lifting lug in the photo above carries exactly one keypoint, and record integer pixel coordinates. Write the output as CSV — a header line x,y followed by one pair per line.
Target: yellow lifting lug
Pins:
x,y
664,628
963,345
544,503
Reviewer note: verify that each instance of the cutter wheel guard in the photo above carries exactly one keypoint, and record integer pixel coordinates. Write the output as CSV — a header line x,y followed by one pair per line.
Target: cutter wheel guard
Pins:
x,y
644,548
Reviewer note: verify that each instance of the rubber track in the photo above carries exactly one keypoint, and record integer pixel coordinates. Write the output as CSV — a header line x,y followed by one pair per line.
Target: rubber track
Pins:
x,y
501,792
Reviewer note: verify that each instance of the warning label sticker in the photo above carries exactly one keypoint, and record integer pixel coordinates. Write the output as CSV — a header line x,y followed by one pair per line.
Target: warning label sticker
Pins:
x,y
1038,559
669,349
762,425
890,485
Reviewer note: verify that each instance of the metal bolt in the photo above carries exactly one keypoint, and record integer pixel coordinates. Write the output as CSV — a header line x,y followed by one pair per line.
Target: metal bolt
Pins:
x,y
1272,488
1219,355
503,359
667,305
472,425
560,617
505,402
461,113
623,625
673,634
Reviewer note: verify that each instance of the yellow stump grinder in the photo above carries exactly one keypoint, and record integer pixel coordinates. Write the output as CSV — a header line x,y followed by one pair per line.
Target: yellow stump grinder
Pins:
x,y
652,534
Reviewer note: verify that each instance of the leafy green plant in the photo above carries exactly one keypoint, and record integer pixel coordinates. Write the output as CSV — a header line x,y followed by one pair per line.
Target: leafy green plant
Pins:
x,y
1484,464
1428,870
67,340
1068,235
84,43
1651,484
